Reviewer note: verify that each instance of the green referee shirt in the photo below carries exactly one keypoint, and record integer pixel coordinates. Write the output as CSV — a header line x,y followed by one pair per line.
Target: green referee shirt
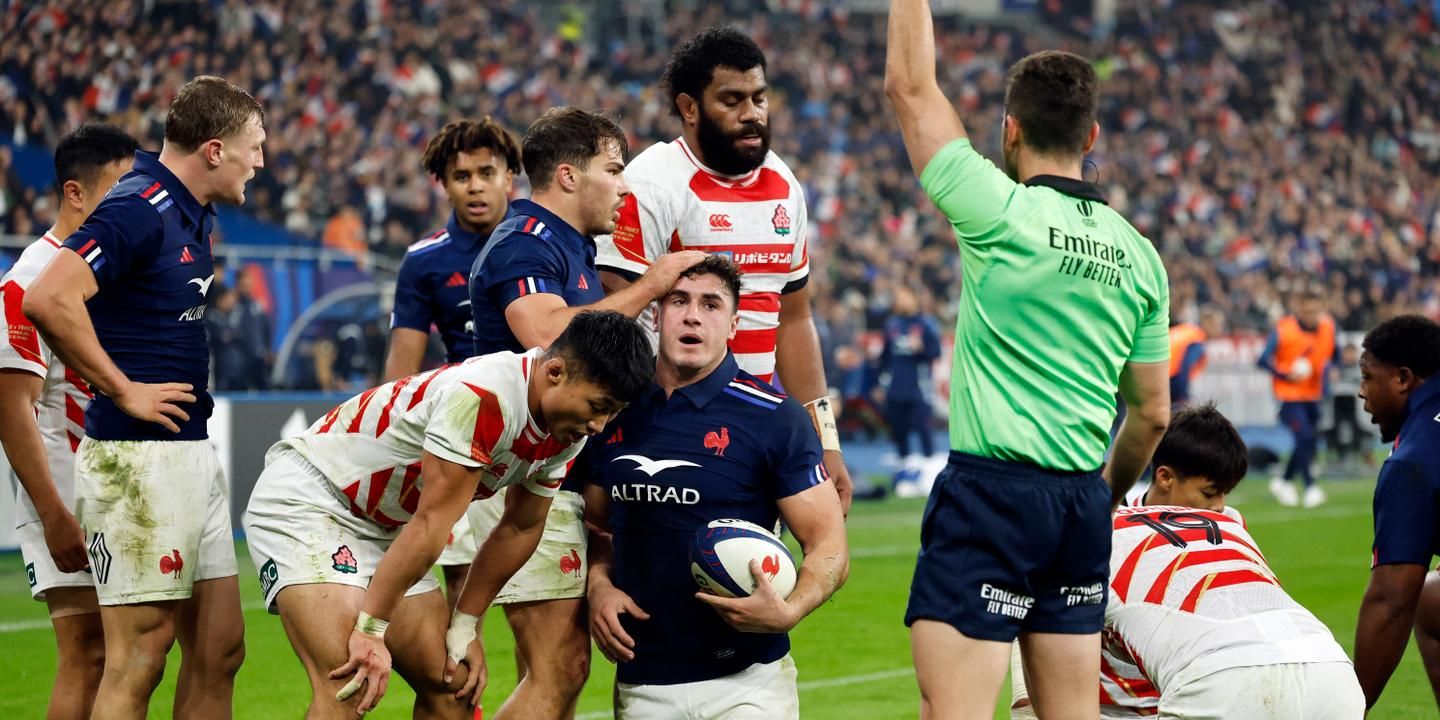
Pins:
x,y
1058,293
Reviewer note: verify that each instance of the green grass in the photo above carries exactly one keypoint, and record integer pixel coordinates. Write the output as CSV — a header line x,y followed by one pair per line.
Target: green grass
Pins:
x,y
853,653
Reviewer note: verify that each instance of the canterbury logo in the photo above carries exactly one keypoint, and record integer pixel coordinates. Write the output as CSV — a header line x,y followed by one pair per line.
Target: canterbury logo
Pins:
x,y
720,222
654,467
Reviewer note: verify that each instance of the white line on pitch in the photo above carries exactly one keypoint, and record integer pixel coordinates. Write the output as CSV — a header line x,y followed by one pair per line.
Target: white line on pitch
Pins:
x,y
44,624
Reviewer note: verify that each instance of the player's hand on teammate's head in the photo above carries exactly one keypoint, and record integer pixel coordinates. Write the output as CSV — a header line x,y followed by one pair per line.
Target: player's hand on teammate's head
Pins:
x,y
66,541
369,662
662,275
156,402
764,611
607,603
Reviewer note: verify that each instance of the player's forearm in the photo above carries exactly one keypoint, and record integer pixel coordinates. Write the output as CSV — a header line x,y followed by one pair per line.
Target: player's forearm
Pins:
x,y
406,353
64,322
909,48
24,448
797,356
500,557
1139,435
412,555
599,555
1381,634
826,567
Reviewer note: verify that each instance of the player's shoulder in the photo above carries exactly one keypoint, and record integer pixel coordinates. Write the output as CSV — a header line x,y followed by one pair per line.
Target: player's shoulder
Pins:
x,y
775,163
32,260
749,391
501,375
428,244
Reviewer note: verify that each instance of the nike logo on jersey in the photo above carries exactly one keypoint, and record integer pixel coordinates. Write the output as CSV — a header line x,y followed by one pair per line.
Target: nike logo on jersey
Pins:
x,y
204,285
654,467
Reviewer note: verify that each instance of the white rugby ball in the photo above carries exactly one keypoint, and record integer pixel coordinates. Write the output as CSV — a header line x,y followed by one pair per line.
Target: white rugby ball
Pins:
x,y
720,555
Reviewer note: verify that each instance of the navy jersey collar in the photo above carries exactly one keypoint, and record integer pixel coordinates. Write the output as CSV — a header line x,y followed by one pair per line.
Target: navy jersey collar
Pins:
x,y
561,229
465,237
1428,392
148,163
1069,186
700,393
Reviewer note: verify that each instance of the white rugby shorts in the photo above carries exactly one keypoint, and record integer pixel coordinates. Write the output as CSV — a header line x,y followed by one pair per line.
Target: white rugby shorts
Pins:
x,y
558,568
460,550
300,533
40,568
1314,691
156,515
763,691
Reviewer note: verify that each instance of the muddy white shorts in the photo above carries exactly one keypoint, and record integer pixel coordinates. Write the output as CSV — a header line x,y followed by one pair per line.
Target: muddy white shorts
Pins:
x,y
300,533
40,567
461,547
1313,691
557,570
156,515
763,691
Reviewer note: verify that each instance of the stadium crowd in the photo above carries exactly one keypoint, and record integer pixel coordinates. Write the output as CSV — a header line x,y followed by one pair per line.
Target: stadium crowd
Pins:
x,y
1262,147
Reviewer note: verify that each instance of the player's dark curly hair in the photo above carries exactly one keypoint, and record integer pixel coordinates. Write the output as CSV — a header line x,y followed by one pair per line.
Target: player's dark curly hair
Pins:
x,y
1053,95
692,64
723,268
568,136
468,136
608,349
1202,442
1411,341
83,151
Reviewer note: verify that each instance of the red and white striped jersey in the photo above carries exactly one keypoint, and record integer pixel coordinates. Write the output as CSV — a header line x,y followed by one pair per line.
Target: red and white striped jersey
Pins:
x,y
475,413
759,220
1191,594
61,411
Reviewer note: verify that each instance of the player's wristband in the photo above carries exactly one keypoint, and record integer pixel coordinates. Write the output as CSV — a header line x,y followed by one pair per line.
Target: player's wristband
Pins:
x,y
461,632
823,417
374,627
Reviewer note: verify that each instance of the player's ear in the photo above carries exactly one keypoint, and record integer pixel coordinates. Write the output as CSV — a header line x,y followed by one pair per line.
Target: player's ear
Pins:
x,y
213,151
1090,140
566,177
555,370
1165,477
689,107
72,193
734,325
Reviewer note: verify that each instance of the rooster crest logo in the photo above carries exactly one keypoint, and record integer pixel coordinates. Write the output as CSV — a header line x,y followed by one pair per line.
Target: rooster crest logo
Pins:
x,y
172,564
571,564
718,441
770,566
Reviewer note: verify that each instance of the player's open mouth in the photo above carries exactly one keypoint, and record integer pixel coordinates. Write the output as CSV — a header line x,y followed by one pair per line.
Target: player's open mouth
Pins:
x,y
690,339
750,140
477,207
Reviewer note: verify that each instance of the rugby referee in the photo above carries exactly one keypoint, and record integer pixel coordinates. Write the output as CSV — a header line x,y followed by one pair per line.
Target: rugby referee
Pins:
x,y
1062,302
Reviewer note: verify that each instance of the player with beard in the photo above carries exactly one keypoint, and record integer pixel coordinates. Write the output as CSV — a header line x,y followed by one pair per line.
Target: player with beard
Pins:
x,y
718,188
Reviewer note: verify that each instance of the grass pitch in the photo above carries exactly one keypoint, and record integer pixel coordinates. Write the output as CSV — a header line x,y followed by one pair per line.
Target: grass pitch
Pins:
x,y
853,653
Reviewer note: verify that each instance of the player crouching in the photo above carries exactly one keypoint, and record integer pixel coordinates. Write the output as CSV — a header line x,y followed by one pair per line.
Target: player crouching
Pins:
x,y
1197,625
347,519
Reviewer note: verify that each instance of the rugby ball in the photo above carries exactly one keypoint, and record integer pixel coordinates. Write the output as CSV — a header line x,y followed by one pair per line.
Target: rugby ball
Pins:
x,y
720,555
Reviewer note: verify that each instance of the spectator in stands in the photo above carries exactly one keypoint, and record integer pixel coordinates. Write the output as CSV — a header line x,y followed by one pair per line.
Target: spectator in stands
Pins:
x,y
912,344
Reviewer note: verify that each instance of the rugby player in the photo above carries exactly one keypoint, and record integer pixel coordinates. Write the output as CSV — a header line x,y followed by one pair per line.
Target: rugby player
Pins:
x,y
124,309
42,420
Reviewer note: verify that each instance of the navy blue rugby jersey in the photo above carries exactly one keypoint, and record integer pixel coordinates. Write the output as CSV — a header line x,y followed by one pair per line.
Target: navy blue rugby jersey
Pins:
x,y
433,288
532,251
148,243
728,446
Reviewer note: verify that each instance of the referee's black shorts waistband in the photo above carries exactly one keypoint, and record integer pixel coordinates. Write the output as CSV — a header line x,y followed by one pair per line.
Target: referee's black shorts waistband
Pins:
x,y
1015,470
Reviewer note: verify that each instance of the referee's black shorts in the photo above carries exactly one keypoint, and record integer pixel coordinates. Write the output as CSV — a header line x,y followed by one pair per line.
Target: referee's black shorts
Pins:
x,y
1008,547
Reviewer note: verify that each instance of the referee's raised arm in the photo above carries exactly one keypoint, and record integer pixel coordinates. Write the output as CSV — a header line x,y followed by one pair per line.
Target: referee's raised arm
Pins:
x,y
927,119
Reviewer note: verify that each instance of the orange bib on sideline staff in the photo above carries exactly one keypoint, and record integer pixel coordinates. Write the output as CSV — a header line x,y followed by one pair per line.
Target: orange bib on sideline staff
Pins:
x,y
1294,342
1182,336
